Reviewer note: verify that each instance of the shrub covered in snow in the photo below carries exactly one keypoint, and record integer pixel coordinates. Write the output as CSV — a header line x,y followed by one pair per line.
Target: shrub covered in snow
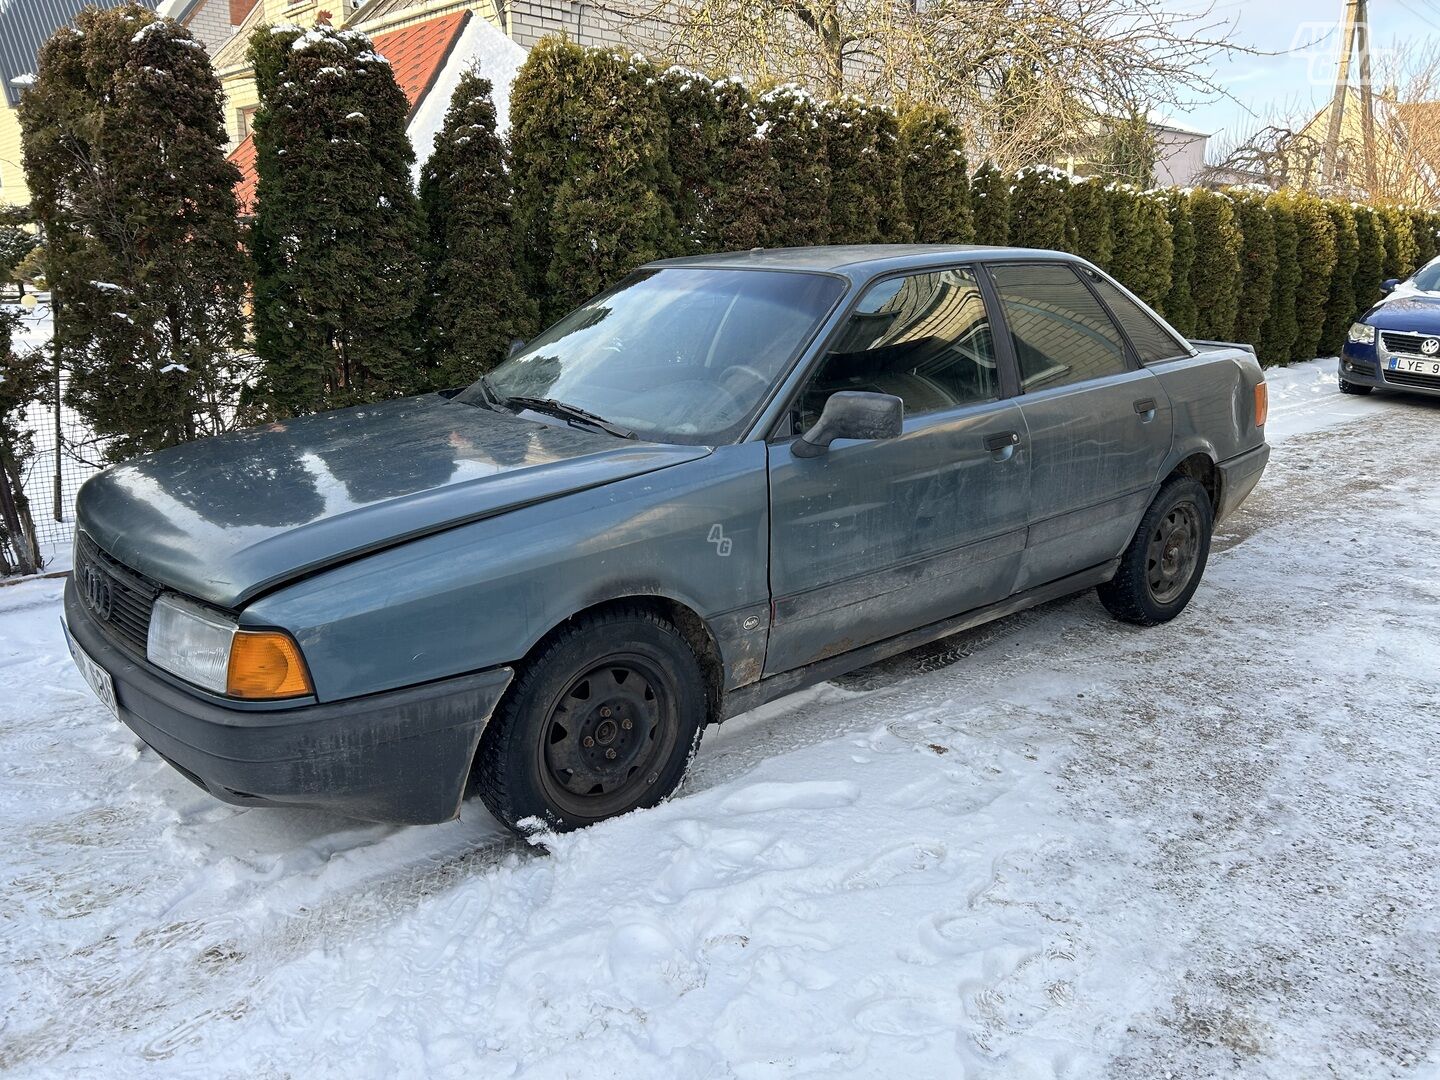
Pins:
x,y
589,141
337,230
474,304
796,142
934,180
862,147
124,156
1040,209
990,205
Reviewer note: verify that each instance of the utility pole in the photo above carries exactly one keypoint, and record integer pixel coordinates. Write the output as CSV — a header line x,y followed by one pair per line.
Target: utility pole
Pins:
x,y
1355,29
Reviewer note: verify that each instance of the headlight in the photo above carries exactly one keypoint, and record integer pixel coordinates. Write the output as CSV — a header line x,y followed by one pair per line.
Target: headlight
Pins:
x,y
1362,333
210,651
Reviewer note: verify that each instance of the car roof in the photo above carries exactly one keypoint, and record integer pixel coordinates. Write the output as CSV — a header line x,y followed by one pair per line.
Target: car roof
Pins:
x,y
861,262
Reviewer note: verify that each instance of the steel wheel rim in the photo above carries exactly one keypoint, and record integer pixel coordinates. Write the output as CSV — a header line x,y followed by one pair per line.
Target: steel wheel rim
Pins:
x,y
1173,553
606,736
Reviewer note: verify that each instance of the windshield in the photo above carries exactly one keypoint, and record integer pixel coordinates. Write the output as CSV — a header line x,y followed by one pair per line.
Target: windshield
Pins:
x,y
681,354
1427,278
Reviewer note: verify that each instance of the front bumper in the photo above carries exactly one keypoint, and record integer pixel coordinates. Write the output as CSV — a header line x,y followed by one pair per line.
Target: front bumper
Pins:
x,y
1238,478
403,756
1366,365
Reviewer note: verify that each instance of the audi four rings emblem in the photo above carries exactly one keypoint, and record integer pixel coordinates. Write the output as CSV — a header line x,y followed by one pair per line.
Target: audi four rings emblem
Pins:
x,y
97,592
1430,346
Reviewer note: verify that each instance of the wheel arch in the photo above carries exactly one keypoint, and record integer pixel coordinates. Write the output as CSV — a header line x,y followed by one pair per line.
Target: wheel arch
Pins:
x,y
697,633
1200,466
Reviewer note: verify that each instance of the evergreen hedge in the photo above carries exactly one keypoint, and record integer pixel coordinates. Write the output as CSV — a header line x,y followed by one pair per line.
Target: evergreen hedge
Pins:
x,y
1281,326
934,180
1179,302
1341,308
1040,209
1369,255
990,205
1315,251
1258,263
1215,271
123,147
1094,232
338,232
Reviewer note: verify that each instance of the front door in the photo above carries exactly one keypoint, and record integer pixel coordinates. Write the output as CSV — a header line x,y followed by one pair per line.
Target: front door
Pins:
x,y
874,538
1098,424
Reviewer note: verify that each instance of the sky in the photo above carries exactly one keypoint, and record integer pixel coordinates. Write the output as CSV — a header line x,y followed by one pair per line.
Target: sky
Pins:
x,y
1300,78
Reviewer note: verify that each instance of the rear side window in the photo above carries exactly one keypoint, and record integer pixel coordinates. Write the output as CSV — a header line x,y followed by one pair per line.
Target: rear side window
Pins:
x,y
1151,340
1061,333
924,338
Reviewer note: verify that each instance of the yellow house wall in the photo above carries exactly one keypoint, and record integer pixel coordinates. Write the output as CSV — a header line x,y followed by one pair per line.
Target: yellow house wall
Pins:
x,y
13,191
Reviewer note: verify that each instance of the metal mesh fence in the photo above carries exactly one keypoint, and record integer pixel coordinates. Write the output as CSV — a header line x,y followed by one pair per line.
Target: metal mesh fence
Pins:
x,y
67,453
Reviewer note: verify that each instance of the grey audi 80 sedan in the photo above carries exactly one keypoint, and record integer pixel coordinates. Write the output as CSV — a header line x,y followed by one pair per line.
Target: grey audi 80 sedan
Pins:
x,y
723,479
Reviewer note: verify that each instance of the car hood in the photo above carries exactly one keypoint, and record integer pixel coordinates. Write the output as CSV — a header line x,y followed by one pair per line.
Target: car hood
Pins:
x,y
228,518
1417,312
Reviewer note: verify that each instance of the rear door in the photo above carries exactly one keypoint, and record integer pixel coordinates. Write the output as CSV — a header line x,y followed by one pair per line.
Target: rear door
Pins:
x,y
873,538
1098,424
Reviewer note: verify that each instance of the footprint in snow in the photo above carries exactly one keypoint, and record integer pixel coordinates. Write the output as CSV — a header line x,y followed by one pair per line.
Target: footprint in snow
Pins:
x,y
897,862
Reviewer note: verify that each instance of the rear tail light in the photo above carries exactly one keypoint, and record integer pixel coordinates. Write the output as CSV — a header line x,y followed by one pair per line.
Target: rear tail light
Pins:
x,y
1262,404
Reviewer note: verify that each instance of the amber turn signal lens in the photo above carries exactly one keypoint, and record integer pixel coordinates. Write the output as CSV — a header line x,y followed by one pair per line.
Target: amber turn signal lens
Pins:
x,y
1262,404
266,664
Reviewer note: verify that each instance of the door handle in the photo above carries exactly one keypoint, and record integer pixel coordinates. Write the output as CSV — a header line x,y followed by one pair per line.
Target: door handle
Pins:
x,y
1001,440
1145,407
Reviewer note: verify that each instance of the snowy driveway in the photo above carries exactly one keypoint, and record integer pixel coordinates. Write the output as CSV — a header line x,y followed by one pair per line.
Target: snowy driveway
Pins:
x,y
1054,846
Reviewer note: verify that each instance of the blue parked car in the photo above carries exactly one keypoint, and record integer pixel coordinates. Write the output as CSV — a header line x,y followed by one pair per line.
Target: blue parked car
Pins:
x,y
725,478
1396,344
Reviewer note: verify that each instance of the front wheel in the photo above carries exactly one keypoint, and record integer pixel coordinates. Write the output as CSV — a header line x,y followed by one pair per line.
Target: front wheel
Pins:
x,y
1161,569
602,720
1359,389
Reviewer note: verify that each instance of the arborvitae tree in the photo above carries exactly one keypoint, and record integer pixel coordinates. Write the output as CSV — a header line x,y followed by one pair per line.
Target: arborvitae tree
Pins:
x,y
1369,255
1157,249
337,229
1129,150
790,122
861,145
1215,272
124,156
1315,252
1142,250
935,180
990,205
1040,209
1341,309
474,304
1281,327
724,176
1257,266
17,240
590,145
1400,248
1179,305
748,199
1090,212
1422,227
23,380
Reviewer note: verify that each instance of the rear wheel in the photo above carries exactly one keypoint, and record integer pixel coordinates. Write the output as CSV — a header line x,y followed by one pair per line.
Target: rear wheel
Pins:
x,y
1161,569
602,720
1354,388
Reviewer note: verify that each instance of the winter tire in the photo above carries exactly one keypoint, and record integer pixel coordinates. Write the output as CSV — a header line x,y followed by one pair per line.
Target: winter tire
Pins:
x,y
602,720
1354,388
1161,569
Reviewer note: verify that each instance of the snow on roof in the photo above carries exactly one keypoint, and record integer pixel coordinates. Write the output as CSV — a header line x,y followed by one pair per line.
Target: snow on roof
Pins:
x,y
485,49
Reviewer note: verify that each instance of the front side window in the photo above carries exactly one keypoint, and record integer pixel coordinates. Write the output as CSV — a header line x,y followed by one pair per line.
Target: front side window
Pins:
x,y
1427,278
1152,341
924,338
679,354
1061,333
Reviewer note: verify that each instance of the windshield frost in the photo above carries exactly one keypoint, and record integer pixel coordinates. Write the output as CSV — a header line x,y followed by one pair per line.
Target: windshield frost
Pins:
x,y
679,354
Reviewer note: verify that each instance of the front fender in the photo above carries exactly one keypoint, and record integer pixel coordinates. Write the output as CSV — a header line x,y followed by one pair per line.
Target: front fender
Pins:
x,y
483,594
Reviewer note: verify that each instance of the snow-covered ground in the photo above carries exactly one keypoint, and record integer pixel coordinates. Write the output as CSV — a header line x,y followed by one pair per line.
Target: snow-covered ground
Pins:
x,y
1054,846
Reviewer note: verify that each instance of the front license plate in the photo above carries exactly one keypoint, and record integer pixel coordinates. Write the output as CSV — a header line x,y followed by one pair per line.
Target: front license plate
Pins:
x,y
1416,365
98,678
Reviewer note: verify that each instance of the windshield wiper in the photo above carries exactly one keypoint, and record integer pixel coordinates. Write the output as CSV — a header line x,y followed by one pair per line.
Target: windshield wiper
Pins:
x,y
565,411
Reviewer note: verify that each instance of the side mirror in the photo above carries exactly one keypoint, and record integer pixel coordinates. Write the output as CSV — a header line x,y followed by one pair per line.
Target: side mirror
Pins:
x,y
516,344
851,414
1388,286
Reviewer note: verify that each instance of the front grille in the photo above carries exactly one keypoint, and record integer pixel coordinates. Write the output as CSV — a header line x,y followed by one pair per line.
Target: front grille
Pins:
x,y
119,598
1410,344
1409,378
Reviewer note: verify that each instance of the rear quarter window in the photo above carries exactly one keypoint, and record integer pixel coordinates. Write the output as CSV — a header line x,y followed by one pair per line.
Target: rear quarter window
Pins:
x,y
1152,341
